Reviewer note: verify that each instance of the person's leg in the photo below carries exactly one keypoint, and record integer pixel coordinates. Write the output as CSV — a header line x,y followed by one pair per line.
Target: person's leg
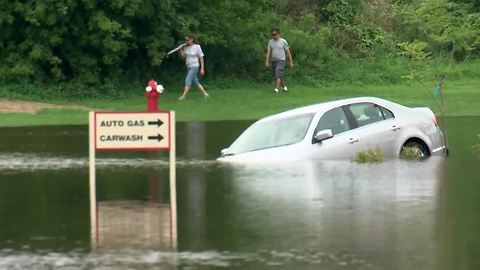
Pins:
x,y
196,82
278,84
188,82
202,90
285,89
279,70
274,73
186,89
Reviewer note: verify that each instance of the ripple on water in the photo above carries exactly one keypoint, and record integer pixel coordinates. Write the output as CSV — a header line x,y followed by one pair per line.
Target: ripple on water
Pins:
x,y
14,162
141,259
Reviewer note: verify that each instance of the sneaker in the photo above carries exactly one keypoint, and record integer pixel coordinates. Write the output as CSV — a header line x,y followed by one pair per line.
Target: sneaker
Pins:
x,y
181,98
275,90
206,96
285,89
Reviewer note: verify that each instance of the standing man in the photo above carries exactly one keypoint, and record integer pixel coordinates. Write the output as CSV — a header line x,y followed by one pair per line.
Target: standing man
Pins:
x,y
278,47
193,55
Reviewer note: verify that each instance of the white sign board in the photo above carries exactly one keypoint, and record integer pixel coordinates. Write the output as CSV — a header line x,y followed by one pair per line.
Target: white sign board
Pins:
x,y
132,130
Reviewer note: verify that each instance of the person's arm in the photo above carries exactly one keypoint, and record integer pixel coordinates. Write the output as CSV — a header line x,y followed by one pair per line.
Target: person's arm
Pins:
x,y
202,65
267,57
182,53
200,55
290,60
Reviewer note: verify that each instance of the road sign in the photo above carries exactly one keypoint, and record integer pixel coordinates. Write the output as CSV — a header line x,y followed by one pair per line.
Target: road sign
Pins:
x,y
132,130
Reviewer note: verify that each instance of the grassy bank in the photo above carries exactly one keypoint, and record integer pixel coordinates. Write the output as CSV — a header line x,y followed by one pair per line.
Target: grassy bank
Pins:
x,y
255,101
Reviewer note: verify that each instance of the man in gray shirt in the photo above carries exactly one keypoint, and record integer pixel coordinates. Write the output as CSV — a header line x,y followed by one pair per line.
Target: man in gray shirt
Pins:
x,y
277,48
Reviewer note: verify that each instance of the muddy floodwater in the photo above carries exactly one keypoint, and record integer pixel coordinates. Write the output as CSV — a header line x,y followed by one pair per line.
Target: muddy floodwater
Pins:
x,y
306,215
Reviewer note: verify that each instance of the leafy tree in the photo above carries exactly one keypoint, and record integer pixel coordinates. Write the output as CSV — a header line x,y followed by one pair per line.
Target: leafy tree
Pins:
x,y
98,42
339,12
447,31
475,3
93,40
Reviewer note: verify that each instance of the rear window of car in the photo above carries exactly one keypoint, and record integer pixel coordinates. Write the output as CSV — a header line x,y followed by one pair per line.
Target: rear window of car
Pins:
x,y
369,113
387,114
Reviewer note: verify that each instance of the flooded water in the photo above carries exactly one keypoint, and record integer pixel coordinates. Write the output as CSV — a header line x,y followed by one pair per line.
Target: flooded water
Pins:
x,y
309,215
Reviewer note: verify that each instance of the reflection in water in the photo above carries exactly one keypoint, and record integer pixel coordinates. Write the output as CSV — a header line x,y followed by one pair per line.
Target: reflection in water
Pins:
x,y
133,224
119,224
194,199
372,213
311,215
195,140
459,209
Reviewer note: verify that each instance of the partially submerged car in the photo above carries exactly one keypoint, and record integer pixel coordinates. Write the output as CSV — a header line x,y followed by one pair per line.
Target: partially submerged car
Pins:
x,y
338,130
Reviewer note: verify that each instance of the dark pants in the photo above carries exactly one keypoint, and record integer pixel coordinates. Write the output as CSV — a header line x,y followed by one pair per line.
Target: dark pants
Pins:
x,y
278,68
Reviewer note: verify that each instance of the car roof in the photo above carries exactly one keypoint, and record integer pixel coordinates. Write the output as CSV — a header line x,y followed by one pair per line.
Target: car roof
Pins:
x,y
310,109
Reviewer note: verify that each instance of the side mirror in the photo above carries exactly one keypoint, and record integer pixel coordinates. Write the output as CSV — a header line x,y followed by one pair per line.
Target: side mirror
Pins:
x,y
223,152
323,135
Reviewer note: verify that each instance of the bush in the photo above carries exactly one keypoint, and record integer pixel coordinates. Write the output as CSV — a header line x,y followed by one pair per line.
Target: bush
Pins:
x,y
411,153
370,156
98,44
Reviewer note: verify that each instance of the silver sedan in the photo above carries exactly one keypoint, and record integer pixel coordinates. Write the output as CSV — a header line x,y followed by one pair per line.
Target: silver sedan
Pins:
x,y
338,130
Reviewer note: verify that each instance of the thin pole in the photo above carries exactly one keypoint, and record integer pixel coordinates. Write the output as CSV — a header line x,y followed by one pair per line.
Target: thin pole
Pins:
x,y
173,182
92,181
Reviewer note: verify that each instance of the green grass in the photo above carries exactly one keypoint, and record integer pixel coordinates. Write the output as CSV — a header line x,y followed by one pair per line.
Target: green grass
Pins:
x,y
476,147
253,101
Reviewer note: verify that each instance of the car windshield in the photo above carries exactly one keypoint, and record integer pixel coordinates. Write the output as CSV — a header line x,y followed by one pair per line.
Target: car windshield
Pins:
x,y
272,133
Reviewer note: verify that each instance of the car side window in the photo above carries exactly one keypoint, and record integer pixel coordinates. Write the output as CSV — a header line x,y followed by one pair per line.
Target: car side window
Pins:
x,y
386,113
334,119
369,113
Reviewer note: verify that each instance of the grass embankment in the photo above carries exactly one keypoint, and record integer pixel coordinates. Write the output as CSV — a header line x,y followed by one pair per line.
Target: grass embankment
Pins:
x,y
254,101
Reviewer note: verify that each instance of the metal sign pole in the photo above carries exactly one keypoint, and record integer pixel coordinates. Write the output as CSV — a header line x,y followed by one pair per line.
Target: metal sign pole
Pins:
x,y
92,182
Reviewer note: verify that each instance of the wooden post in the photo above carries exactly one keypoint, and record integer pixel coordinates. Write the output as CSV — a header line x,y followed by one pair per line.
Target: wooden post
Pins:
x,y
92,181
173,182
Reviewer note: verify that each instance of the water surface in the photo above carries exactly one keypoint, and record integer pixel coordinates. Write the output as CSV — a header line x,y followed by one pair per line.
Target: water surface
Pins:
x,y
309,215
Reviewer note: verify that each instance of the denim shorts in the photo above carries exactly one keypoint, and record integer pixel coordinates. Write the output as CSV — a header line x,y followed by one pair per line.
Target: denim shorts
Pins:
x,y
278,68
192,77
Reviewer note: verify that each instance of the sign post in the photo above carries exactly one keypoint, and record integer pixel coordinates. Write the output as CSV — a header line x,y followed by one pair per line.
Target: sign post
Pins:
x,y
173,180
125,131
92,180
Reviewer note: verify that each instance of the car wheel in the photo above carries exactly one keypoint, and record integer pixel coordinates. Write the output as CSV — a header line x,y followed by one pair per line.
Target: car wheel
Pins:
x,y
414,150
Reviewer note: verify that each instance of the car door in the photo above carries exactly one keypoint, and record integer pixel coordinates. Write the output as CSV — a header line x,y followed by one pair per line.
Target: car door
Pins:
x,y
344,144
376,127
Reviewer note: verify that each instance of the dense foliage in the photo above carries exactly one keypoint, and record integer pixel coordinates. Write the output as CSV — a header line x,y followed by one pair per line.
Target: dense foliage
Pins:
x,y
100,41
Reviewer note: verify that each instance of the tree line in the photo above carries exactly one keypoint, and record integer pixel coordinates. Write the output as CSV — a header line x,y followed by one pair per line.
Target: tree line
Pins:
x,y
57,41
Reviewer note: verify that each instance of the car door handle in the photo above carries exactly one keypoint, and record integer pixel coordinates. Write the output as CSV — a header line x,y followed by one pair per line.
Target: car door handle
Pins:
x,y
352,140
395,128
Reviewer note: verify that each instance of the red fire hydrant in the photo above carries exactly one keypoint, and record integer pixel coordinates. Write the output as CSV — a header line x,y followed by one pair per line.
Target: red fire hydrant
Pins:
x,y
153,92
